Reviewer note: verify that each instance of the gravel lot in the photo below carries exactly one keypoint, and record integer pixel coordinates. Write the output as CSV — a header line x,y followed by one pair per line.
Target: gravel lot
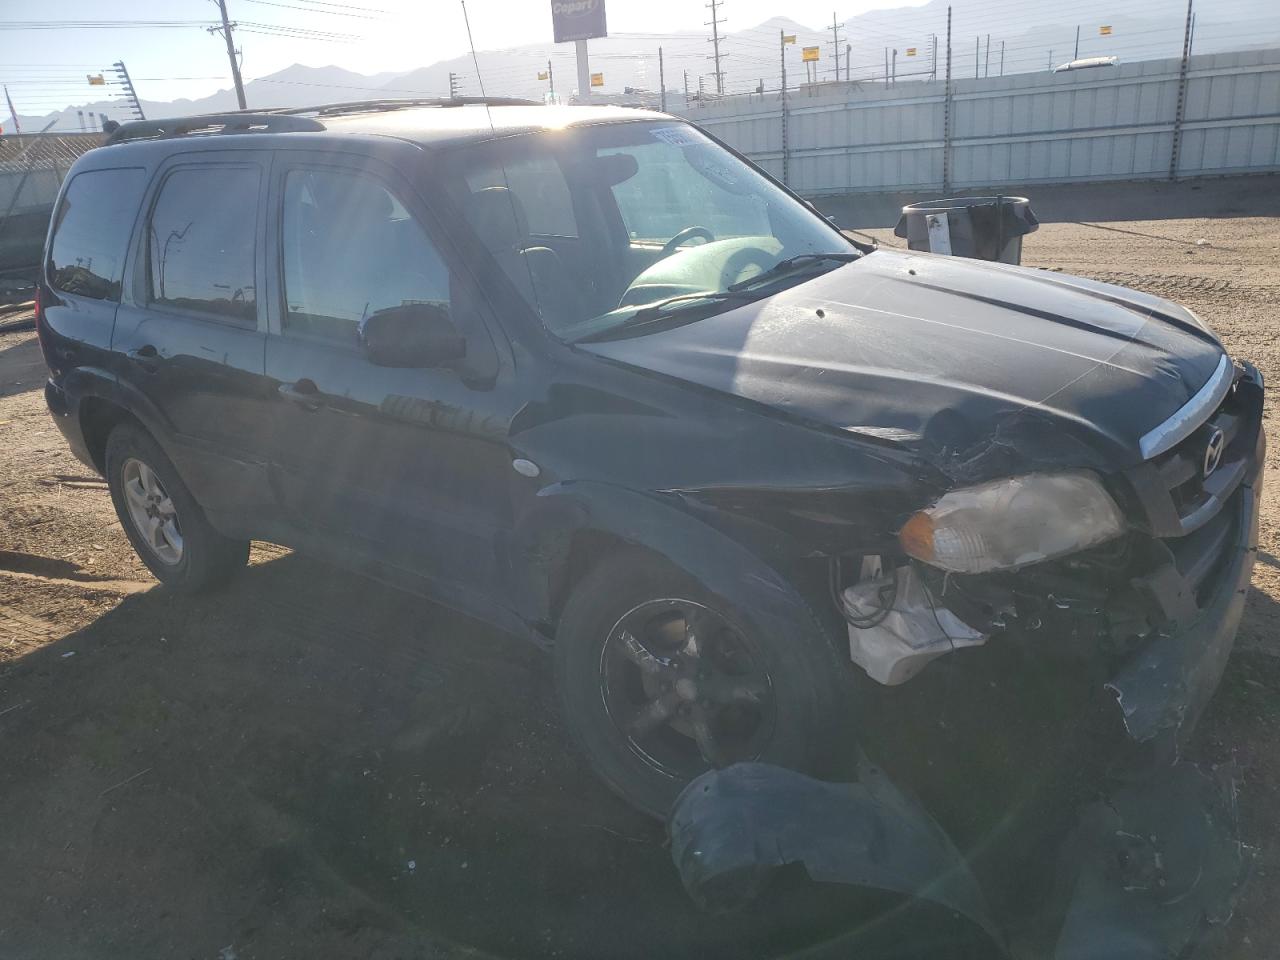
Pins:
x,y
310,764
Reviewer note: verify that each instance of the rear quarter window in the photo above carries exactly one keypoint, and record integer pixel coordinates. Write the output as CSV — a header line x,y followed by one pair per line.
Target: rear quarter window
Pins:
x,y
91,232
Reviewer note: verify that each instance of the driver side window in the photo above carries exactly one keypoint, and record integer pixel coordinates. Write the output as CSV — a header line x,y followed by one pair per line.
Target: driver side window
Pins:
x,y
350,249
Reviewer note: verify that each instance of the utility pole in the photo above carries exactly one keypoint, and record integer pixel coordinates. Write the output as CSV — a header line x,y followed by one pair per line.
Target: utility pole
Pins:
x,y
1076,55
933,59
886,66
716,20
122,72
551,82
946,117
17,124
835,43
1181,108
453,85
782,53
662,84
686,89
894,73
1002,58
848,62
231,52
986,70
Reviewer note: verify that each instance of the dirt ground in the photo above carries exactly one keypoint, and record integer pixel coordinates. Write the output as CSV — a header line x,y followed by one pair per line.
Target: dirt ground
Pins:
x,y
312,765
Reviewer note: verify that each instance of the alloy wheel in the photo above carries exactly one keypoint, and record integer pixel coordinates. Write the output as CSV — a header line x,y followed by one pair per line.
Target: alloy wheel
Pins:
x,y
685,689
152,511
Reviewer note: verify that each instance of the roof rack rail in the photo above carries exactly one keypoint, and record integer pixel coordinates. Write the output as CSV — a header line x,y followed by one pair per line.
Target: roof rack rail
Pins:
x,y
403,103
212,123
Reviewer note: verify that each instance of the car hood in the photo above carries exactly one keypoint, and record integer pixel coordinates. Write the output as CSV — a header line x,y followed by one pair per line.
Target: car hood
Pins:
x,y
944,353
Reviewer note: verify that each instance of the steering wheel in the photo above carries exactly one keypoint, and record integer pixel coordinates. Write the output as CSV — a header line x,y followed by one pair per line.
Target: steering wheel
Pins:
x,y
688,233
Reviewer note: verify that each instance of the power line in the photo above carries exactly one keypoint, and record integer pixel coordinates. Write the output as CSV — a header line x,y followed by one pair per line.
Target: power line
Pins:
x,y
331,13
100,24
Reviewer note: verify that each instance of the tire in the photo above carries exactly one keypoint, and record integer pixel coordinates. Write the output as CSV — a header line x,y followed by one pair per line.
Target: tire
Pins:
x,y
805,684
204,557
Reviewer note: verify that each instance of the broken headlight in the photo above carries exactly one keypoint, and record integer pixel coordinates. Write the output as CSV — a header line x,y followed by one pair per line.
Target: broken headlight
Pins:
x,y
1013,522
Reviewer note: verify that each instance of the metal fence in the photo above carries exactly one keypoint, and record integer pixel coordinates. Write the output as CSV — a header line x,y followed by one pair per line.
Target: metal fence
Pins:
x,y
31,170
1111,123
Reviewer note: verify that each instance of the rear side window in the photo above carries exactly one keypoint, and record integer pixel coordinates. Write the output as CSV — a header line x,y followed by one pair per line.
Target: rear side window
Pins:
x,y
91,232
201,242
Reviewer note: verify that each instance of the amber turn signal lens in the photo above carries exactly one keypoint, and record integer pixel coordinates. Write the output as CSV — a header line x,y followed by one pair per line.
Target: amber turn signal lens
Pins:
x,y
916,536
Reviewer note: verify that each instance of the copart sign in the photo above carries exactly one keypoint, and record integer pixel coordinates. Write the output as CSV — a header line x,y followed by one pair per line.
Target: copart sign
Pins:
x,y
577,19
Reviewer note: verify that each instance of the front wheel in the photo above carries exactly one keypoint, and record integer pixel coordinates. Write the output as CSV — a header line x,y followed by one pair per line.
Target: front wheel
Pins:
x,y
661,680
161,518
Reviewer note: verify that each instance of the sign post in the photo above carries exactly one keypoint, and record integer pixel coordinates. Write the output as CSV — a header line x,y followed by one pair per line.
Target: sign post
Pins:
x,y
810,55
579,21
584,71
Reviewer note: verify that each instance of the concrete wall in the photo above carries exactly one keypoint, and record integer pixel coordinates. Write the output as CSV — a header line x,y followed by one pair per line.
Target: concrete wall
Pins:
x,y
1092,125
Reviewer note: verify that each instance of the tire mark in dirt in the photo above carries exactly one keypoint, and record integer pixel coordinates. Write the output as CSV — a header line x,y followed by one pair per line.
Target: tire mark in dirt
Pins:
x,y
1168,283
20,629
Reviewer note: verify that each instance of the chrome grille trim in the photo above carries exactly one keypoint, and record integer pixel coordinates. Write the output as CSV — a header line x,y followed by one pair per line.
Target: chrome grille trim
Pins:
x,y
1191,414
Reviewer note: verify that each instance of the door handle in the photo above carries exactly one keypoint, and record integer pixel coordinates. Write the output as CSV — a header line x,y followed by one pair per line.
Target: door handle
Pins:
x,y
145,356
304,393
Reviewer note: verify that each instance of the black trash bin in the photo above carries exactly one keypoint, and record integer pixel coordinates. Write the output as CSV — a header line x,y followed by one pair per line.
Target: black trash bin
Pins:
x,y
983,228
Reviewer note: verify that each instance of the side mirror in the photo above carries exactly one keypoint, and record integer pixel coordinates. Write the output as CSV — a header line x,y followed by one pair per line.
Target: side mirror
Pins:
x,y
412,335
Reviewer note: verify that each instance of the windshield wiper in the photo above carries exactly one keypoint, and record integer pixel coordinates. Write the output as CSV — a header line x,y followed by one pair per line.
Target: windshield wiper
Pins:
x,y
785,266
655,312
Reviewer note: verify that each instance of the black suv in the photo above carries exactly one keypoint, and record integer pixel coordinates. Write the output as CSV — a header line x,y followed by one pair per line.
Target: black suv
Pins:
x,y
588,374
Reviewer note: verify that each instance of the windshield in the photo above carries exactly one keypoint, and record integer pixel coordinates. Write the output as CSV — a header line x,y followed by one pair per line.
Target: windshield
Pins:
x,y
598,223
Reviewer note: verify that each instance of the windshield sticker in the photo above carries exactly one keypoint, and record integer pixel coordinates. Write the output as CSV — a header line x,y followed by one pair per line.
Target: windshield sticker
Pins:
x,y
676,136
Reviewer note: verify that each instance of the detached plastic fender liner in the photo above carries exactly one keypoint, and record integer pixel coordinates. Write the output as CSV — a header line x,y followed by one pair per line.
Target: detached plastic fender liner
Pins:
x,y
731,829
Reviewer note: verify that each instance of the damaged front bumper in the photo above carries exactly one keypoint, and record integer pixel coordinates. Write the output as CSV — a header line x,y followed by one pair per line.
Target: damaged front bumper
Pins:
x,y
1154,614
1165,686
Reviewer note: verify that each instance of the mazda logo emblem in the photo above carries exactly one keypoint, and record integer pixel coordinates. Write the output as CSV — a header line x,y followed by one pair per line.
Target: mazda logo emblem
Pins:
x,y
1213,451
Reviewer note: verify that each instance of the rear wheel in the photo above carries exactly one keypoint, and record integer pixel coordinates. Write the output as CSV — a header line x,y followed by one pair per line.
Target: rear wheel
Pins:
x,y
161,518
661,680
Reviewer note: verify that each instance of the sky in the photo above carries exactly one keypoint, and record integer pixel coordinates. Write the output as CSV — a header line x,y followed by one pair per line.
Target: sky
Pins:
x,y
48,46
43,67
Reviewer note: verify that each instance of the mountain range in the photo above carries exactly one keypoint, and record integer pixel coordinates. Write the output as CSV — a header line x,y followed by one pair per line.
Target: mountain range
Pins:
x,y
1033,35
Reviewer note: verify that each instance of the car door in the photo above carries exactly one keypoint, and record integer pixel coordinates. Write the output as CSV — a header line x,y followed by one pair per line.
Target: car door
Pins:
x,y
189,334
406,465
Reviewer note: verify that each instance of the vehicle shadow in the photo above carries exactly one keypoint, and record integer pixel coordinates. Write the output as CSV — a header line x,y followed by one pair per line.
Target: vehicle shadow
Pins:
x,y
309,754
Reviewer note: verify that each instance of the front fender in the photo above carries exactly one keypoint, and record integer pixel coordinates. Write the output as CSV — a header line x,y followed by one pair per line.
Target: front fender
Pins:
x,y
763,585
